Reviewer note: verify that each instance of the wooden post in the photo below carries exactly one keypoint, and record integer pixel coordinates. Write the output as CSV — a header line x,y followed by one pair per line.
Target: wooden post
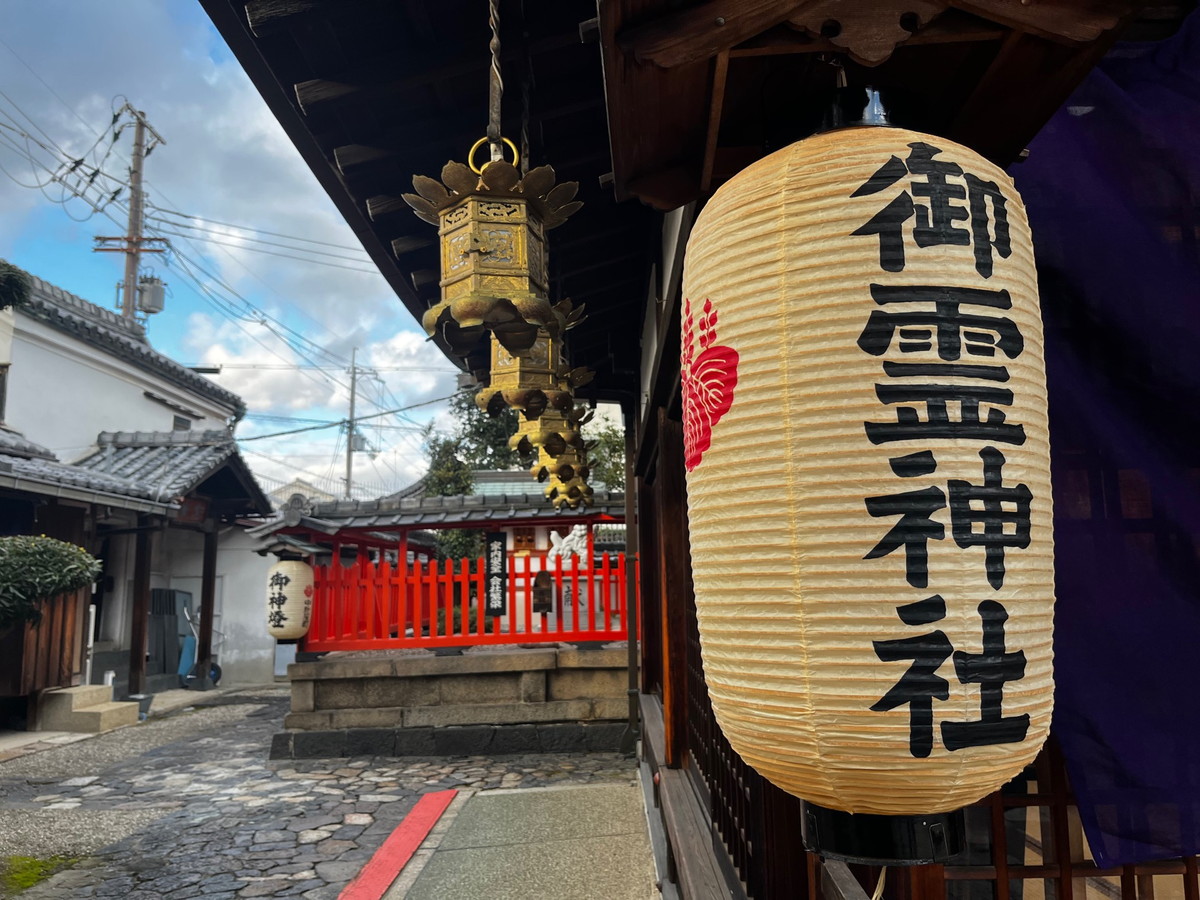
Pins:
x,y
675,583
208,596
140,621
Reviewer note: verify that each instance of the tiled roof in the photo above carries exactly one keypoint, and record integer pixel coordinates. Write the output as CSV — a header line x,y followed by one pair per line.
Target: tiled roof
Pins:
x,y
13,443
166,463
53,472
119,336
483,481
473,510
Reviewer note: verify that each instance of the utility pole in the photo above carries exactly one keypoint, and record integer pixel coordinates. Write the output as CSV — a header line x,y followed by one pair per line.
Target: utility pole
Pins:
x,y
132,241
350,425
133,236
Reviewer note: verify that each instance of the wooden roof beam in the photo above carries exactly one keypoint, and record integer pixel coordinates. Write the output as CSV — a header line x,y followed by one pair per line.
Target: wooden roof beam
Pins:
x,y
273,16
1056,20
701,32
717,104
869,31
951,27
376,82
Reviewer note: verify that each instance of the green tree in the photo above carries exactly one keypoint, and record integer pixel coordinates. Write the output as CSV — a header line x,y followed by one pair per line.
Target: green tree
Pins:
x,y
450,476
482,440
607,457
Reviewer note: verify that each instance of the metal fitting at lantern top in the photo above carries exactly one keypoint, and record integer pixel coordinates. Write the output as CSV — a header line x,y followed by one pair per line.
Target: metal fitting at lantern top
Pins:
x,y
479,143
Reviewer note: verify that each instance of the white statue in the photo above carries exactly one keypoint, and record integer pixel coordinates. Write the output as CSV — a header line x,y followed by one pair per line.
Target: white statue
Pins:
x,y
574,544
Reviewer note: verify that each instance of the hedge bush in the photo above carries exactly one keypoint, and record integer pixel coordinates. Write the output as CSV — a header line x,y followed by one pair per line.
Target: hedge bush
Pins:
x,y
15,285
36,568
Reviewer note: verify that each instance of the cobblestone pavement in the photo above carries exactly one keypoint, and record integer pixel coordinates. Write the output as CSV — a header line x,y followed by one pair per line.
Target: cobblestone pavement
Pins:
x,y
189,806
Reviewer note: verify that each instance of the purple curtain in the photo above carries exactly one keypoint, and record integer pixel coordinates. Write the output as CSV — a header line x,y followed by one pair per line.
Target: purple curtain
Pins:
x,y
1112,185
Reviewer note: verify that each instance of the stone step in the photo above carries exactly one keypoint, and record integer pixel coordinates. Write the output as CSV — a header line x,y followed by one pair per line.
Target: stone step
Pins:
x,y
74,698
103,717
459,714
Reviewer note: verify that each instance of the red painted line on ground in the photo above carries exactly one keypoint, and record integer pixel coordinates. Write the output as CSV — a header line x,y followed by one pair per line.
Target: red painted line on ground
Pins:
x,y
379,873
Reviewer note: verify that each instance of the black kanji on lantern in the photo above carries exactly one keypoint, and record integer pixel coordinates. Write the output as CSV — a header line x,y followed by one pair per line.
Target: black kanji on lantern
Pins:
x,y
970,424
1001,514
920,685
991,670
936,203
946,325
276,618
916,527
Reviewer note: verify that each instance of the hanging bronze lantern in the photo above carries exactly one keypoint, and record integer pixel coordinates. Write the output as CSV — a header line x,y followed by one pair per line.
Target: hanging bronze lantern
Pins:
x,y
534,381
492,223
560,455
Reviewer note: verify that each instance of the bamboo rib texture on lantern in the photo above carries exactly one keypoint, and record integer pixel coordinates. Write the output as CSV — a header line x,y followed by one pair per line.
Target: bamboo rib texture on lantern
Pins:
x,y
798,594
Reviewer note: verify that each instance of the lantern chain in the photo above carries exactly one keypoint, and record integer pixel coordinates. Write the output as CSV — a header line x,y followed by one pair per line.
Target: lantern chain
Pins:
x,y
525,101
495,84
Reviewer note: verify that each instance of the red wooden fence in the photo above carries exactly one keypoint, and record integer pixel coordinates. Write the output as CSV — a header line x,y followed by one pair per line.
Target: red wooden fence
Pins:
x,y
380,605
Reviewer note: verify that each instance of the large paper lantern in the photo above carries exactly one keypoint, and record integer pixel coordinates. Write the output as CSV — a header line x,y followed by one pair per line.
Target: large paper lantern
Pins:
x,y
289,599
868,485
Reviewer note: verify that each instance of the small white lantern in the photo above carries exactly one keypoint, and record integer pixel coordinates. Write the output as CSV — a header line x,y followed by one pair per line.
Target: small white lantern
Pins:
x,y
289,599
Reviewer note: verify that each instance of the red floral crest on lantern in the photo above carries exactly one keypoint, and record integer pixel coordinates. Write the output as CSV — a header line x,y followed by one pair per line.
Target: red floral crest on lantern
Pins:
x,y
708,379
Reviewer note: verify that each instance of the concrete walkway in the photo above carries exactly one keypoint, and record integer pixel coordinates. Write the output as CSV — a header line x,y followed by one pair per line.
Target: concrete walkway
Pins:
x,y
586,842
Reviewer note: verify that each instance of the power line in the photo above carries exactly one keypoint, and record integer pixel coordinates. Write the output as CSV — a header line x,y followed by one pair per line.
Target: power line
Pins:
x,y
285,366
289,237
305,259
341,422
249,238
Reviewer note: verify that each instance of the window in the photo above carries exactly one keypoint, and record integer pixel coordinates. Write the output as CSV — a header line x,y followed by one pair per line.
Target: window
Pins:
x,y
182,423
3,389
522,539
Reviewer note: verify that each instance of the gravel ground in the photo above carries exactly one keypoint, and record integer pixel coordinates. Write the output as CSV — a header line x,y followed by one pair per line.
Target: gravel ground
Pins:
x,y
92,756
54,832
189,806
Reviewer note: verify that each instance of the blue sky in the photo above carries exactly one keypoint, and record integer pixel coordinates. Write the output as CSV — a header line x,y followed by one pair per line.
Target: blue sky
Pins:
x,y
65,66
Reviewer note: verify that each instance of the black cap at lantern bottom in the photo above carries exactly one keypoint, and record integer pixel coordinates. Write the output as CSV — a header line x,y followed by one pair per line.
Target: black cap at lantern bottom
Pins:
x,y
883,840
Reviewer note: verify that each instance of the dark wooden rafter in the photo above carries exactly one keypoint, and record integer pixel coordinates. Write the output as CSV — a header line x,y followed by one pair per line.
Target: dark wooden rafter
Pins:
x,y
1041,51
1056,69
376,82
266,17
1056,19
716,106
673,102
702,31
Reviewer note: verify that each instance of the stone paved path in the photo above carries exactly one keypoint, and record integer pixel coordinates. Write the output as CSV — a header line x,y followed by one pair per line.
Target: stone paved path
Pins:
x,y
190,807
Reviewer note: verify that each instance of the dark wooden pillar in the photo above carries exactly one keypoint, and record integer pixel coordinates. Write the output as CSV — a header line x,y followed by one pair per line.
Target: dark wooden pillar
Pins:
x,y
208,599
675,583
632,611
140,615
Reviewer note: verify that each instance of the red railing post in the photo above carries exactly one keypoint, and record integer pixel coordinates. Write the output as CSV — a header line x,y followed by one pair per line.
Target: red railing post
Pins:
x,y
559,606
365,619
622,600
606,591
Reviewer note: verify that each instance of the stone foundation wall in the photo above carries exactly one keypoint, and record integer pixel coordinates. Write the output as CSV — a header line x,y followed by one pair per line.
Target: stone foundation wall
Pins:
x,y
480,702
